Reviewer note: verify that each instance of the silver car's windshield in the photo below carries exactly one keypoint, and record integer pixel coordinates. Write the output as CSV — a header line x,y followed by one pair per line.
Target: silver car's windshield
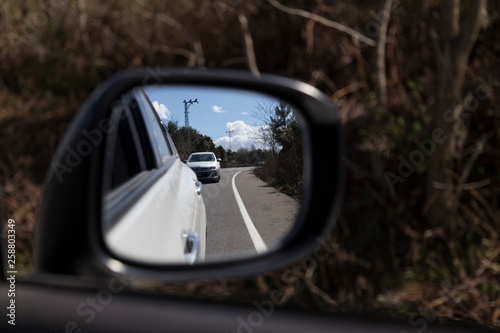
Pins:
x,y
201,158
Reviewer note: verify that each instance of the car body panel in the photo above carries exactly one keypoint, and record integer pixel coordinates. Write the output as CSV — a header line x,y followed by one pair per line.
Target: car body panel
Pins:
x,y
81,310
155,228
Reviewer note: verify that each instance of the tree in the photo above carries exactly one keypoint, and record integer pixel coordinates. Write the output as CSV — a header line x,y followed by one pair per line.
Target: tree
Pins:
x,y
381,81
241,155
197,142
283,116
173,130
453,47
264,133
202,143
221,153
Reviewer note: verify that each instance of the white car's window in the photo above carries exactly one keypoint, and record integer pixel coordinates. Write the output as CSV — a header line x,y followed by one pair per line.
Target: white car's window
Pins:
x,y
128,156
201,158
156,133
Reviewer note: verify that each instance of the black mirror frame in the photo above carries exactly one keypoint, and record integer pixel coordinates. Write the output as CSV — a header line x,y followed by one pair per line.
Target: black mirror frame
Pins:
x,y
67,233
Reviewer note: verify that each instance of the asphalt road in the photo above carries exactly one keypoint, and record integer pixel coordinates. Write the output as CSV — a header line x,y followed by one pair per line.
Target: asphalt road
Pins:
x,y
248,225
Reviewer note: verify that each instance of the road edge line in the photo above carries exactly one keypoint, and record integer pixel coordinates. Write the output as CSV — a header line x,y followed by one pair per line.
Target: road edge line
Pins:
x,y
257,240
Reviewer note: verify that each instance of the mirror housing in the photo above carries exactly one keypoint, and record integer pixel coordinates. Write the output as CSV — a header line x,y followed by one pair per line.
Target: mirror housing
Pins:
x,y
68,224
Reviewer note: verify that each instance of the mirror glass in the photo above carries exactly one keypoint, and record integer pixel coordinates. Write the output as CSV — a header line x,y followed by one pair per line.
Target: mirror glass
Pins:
x,y
197,174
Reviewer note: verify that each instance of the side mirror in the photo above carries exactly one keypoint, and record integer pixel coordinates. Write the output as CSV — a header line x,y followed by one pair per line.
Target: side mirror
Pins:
x,y
97,216
219,160
184,161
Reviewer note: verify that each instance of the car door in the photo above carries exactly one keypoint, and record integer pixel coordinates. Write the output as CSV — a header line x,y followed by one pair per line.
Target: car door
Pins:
x,y
153,211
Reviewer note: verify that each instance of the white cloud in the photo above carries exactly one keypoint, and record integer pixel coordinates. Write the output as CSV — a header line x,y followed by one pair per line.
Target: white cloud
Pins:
x,y
162,111
243,136
218,109
245,113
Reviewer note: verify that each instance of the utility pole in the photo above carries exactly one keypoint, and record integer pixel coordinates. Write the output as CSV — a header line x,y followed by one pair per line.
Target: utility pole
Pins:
x,y
230,131
187,104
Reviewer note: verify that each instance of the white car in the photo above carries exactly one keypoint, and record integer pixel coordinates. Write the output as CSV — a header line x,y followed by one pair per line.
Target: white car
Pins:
x,y
153,210
206,165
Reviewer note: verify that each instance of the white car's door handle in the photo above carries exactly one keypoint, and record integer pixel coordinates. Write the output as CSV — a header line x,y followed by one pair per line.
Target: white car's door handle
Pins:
x,y
198,187
191,249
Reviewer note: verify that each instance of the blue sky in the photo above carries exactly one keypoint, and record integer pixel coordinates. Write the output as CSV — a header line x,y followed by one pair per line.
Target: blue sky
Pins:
x,y
217,111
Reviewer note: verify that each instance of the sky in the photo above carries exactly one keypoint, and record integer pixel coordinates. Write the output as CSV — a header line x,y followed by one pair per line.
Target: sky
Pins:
x,y
218,110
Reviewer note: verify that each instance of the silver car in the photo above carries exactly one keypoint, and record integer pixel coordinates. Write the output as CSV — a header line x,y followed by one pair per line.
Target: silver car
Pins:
x,y
206,165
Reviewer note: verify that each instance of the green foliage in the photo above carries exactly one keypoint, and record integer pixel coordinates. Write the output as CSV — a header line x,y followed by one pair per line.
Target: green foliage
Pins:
x,y
197,142
221,153
282,118
284,170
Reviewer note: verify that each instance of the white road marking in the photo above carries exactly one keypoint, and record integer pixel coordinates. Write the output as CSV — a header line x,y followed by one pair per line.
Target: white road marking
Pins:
x,y
257,240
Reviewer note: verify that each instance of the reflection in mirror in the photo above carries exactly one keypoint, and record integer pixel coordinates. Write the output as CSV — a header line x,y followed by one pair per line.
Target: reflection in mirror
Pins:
x,y
198,174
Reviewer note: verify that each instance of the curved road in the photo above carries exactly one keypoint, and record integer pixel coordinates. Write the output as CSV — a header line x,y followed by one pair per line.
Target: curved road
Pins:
x,y
248,225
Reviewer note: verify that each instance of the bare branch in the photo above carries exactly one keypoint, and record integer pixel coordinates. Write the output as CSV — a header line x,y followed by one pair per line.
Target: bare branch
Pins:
x,y
478,150
198,50
324,21
487,262
450,23
314,288
470,28
437,47
347,90
192,57
83,18
381,82
247,38
195,44
319,75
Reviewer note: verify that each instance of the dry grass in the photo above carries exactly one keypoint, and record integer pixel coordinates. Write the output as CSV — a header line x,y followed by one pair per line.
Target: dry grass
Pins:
x,y
384,259
27,142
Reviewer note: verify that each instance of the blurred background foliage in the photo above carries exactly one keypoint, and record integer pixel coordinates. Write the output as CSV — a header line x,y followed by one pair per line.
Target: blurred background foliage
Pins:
x,y
386,257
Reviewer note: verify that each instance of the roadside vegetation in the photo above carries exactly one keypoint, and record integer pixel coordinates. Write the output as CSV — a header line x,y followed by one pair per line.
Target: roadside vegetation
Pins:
x,y
417,86
196,142
282,165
